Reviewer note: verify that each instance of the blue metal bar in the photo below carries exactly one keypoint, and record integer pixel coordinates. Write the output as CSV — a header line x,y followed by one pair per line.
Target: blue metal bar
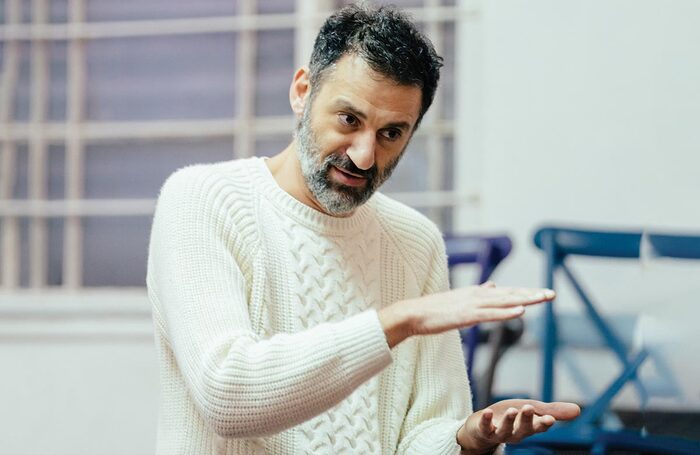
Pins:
x,y
593,412
609,335
550,327
611,338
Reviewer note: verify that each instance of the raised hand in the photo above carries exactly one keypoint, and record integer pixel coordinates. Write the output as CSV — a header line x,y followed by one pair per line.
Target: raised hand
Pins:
x,y
510,421
455,309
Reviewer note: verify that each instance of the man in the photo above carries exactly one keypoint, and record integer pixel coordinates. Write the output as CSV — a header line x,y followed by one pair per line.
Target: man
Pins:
x,y
298,311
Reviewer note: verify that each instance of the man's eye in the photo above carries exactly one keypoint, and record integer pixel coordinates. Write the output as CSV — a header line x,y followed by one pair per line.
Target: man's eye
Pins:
x,y
347,119
391,134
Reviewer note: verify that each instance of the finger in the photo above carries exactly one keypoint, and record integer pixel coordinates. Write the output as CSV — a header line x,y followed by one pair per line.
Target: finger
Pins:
x,y
524,425
498,314
486,426
533,295
543,423
504,297
504,430
558,410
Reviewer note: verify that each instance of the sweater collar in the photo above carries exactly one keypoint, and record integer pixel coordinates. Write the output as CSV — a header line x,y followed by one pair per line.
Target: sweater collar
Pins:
x,y
302,213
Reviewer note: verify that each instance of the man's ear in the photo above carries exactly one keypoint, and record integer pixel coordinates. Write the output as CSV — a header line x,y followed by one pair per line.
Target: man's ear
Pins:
x,y
299,90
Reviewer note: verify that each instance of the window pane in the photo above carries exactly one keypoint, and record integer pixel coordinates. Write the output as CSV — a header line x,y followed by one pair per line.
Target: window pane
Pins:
x,y
447,75
20,189
411,172
271,146
275,6
174,77
58,85
124,10
274,72
115,251
20,110
137,170
55,267
59,11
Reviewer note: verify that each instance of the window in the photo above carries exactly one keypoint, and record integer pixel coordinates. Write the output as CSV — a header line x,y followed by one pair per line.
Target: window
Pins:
x,y
100,101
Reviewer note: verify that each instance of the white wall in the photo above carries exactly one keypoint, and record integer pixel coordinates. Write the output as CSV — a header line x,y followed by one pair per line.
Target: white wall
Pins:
x,y
79,375
590,115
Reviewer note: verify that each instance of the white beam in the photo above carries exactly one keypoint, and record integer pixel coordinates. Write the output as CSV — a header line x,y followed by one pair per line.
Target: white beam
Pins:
x,y
434,145
74,174
10,257
468,114
38,147
98,132
60,208
202,25
243,145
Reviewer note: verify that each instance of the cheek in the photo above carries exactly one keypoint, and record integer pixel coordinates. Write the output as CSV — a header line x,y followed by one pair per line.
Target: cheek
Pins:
x,y
388,158
333,142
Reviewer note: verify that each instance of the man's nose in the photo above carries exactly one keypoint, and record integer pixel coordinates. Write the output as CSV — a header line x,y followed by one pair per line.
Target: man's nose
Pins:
x,y
362,149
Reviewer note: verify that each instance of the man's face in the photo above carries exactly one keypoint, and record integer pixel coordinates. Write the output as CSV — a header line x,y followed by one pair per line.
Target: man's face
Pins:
x,y
352,133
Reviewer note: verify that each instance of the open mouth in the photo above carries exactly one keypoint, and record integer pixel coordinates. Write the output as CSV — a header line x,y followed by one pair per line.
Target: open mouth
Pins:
x,y
348,178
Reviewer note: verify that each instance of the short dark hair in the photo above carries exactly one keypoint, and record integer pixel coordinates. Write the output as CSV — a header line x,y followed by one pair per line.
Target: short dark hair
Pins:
x,y
387,40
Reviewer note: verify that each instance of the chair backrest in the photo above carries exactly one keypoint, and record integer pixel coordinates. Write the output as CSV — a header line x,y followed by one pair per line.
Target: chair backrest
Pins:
x,y
485,251
567,241
675,245
616,244
559,242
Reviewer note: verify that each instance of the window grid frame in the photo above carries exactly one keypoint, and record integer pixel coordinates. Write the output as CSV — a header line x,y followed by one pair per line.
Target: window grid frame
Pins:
x,y
76,132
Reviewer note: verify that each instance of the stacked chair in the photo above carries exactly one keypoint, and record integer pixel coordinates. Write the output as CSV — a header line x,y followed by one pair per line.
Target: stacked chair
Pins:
x,y
591,432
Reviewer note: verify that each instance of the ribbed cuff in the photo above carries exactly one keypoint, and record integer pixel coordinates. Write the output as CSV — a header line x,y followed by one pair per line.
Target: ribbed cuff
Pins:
x,y
439,437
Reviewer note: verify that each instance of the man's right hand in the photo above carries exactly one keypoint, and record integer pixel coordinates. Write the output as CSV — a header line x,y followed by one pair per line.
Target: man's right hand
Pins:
x,y
459,308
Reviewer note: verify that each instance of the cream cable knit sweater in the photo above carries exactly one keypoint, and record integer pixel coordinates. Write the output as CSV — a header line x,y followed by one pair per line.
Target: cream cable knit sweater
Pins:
x,y
266,324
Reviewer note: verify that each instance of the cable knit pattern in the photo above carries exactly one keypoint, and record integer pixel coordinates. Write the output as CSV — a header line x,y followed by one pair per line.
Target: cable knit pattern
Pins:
x,y
266,326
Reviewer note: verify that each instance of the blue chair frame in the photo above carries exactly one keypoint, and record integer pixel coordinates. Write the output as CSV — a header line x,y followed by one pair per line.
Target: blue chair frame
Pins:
x,y
558,243
487,252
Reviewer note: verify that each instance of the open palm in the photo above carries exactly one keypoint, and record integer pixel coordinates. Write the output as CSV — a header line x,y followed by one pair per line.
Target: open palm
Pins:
x,y
510,421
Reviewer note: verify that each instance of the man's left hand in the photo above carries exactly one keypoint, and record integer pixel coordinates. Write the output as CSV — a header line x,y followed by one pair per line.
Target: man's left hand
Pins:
x,y
510,421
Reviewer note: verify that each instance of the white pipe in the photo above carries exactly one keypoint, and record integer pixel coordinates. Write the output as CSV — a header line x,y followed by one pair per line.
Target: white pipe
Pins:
x,y
434,145
144,207
8,81
74,173
82,207
93,132
38,148
243,146
164,27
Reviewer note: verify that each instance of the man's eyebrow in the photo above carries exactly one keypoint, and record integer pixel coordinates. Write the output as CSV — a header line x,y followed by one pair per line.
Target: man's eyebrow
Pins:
x,y
346,106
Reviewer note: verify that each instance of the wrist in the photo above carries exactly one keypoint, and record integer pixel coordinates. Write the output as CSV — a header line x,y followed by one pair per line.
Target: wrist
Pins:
x,y
472,445
396,323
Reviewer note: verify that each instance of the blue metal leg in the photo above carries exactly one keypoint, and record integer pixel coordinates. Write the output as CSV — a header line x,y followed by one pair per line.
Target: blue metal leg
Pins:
x,y
550,328
611,338
593,412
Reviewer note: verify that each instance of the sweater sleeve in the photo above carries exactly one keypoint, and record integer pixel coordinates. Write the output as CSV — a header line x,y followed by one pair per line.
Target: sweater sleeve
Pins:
x,y
441,396
243,386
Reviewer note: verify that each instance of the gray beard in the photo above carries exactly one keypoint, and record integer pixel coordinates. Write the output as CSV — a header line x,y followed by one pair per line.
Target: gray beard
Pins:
x,y
336,199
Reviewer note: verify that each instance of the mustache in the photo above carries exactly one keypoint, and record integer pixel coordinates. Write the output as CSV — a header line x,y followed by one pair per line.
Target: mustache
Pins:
x,y
344,162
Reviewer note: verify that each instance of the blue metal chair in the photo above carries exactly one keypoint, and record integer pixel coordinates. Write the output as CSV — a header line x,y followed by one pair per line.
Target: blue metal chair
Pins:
x,y
558,244
486,252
